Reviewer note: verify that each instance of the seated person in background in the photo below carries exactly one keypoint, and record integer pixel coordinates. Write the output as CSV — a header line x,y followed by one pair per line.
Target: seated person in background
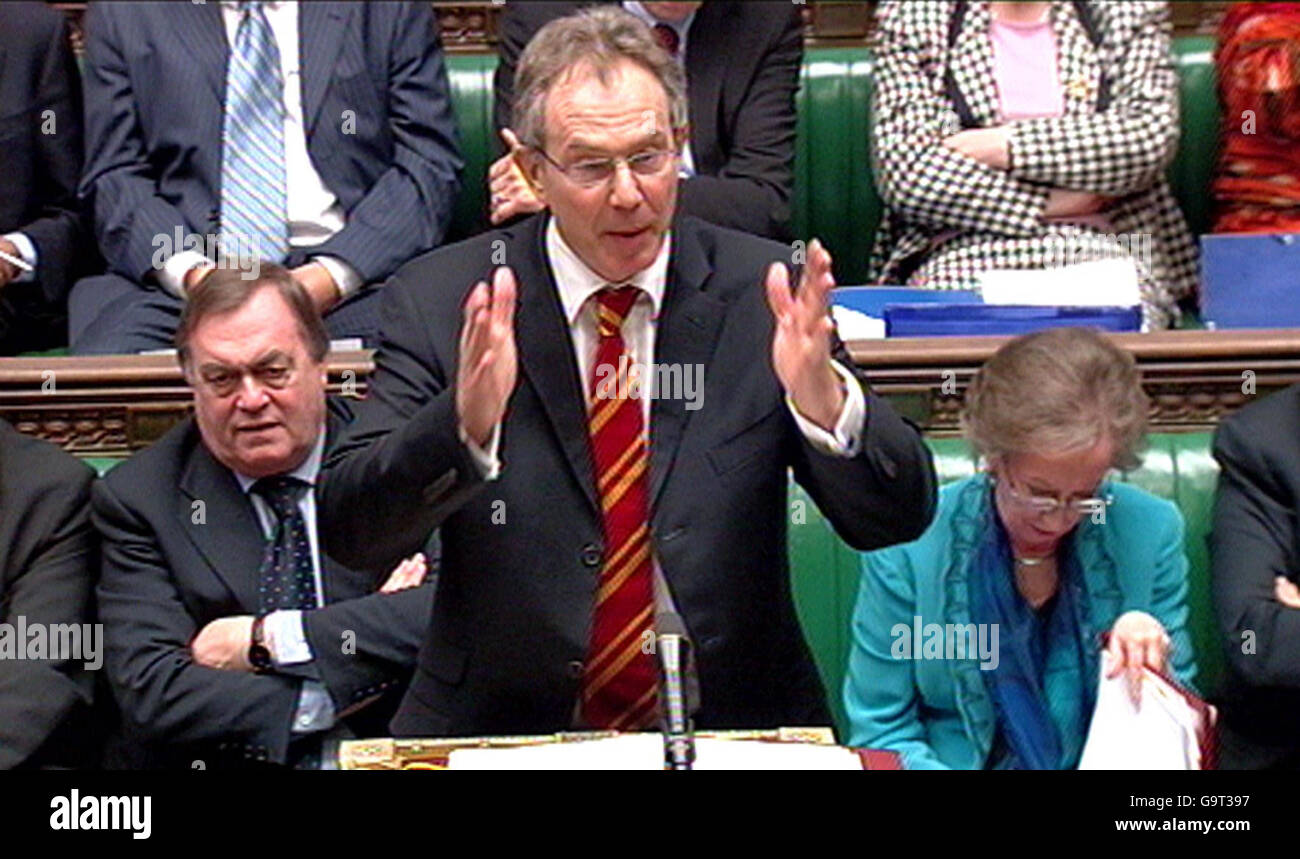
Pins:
x,y
1048,146
1253,550
742,64
1040,544
334,153
47,569
1257,184
41,224
230,637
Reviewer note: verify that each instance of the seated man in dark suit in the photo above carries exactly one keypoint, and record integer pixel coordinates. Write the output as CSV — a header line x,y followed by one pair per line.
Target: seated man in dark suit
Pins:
x,y
42,233
566,527
47,569
742,64
1255,552
229,636
319,135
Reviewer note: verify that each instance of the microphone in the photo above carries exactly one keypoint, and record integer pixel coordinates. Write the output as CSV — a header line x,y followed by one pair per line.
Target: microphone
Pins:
x,y
674,649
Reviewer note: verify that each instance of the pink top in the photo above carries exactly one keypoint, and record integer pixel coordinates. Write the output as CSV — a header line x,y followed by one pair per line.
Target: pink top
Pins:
x,y
1024,69
1029,86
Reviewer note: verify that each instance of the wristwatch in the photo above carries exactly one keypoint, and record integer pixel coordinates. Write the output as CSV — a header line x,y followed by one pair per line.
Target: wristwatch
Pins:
x,y
259,655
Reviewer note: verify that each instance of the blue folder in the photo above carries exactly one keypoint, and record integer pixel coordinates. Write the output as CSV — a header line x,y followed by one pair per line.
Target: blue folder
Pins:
x,y
1250,280
872,300
964,320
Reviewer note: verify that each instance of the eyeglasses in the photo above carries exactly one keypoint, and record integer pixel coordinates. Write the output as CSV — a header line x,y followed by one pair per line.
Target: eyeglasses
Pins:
x,y
1049,505
596,171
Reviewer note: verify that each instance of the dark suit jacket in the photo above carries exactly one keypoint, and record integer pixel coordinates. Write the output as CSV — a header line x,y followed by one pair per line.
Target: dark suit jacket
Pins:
x,y
155,84
38,191
513,609
1255,539
742,62
166,576
47,570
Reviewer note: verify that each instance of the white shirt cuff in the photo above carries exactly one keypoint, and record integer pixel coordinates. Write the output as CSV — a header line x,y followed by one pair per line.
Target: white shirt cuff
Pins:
x,y
286,638
489,465
315,711
27,251
846,441
172,274
345,276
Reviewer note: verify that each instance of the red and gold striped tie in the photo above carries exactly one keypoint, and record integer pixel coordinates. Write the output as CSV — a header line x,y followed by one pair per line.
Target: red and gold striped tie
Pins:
x,y
620,684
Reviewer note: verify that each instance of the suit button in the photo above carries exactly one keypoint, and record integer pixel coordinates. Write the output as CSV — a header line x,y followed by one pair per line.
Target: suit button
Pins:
x,y
574,669
591,555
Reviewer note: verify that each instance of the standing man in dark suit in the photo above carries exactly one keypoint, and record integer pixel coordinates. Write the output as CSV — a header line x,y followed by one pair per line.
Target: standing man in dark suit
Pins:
x,y
566,527
1255,552
47,570
320,135
742,66
230,638
42,232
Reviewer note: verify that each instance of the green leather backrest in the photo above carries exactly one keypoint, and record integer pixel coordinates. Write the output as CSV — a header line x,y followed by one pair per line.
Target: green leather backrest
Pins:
x,y
824,570
834,197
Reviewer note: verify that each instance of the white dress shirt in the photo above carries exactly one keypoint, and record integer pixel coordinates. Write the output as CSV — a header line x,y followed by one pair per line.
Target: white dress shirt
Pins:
x,y
283,630
577,284
27,253
314,213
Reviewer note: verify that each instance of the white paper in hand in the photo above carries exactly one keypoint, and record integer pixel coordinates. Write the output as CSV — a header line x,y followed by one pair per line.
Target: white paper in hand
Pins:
x,y
1163,733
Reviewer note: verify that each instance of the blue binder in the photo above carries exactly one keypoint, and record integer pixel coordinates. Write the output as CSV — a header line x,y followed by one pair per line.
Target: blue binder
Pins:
x,y
1250,280
964,320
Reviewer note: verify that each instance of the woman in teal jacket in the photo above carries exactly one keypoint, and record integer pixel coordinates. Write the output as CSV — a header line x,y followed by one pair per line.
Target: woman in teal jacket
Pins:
x,y
979,645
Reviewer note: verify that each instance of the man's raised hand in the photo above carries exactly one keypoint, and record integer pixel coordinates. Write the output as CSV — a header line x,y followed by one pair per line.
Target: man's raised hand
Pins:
x,y
801,341
489,364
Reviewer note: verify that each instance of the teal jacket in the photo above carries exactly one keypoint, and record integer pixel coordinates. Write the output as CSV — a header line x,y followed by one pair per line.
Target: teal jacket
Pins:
x,y
936,712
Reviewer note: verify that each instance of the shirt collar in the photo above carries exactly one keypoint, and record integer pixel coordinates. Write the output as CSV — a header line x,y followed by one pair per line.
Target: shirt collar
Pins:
x,y
267,5
682,26
306,472
577,282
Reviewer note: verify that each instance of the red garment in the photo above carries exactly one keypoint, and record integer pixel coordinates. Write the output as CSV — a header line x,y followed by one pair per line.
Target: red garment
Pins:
x,y
1257,187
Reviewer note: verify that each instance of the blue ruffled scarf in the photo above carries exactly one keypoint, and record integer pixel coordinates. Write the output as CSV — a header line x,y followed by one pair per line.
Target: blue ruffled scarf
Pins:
x,y
1043,688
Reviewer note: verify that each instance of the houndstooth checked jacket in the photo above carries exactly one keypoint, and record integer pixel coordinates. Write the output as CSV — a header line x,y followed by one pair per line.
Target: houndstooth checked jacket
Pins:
x,y
931,191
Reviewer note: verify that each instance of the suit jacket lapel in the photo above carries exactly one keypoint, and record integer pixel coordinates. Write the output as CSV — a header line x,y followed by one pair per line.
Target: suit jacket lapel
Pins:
x,y
201,34
689,324
228,534
1079,68
546,355
971,61
334,577
321,27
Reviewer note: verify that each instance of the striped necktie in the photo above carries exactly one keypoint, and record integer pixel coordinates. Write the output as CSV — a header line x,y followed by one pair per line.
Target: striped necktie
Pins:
x,y
253,190
620,685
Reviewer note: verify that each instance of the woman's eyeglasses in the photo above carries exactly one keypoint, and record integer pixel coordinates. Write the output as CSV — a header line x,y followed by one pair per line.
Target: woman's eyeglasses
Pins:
x,y
1048,505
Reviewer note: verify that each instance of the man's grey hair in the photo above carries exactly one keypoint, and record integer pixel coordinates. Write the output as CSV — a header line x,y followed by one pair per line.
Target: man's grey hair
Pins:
x,y
595,40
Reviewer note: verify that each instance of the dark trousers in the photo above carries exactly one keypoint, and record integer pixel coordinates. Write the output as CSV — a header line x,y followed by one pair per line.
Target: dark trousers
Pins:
x,y
28,321
111,315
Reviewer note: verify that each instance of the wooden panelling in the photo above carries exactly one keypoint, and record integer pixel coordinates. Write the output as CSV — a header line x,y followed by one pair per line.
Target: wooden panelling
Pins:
x,y
111,406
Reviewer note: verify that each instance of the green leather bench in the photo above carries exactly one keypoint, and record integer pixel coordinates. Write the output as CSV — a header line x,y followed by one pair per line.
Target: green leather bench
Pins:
x,y
834,198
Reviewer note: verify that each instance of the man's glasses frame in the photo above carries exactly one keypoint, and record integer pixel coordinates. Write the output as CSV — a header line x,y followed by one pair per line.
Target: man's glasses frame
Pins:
x,y
593,172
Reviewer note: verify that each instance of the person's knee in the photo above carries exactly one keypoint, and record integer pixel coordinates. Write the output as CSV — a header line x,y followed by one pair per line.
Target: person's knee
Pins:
x,y
101,313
